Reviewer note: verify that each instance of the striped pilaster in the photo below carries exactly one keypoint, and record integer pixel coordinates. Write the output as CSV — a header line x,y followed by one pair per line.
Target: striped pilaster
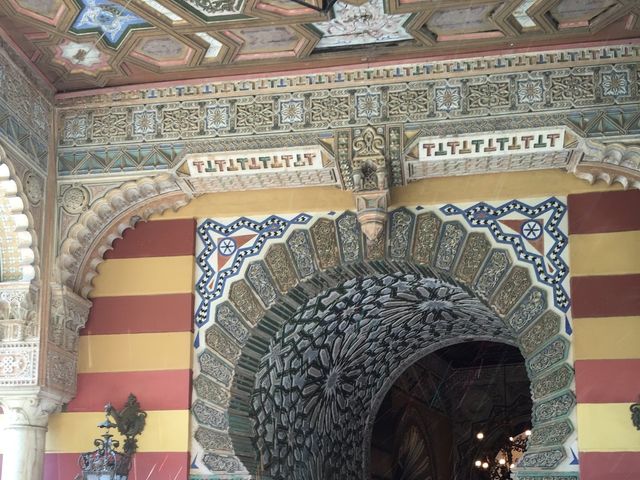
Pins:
x,y
137,340
604,232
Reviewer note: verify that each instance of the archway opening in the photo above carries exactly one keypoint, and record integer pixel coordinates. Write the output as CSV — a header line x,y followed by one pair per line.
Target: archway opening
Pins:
x,y
302,350
452,414
327,369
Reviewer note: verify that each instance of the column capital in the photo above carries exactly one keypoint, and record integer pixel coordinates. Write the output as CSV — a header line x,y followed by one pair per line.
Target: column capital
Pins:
x,y
30,407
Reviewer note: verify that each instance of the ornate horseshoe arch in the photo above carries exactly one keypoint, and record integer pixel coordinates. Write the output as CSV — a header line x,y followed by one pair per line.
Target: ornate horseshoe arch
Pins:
x,y
302,347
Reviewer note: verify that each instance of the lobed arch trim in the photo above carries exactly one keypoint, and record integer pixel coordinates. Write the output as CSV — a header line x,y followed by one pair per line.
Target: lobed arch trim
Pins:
x,y
105,220
17,221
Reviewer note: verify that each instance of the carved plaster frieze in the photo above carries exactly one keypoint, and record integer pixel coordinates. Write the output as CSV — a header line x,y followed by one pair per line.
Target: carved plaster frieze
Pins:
x,y
18,319
69,313
105,220
19,364
611,163
19,335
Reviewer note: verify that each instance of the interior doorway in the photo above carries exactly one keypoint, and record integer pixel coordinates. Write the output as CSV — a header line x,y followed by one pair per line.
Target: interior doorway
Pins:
x,y
451,415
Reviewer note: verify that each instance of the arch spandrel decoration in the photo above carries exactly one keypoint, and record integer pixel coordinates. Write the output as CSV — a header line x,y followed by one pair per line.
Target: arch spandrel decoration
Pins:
x,y
99,221
273,346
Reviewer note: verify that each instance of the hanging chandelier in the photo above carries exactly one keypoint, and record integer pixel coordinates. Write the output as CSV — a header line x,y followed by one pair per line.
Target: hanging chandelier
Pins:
x,y
500,466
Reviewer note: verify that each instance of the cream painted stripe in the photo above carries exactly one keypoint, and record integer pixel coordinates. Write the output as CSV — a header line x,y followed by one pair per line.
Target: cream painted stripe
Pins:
x,y
606,427
433,191
606,338
263,202
164,431
615,253
144,276
492,186
134,352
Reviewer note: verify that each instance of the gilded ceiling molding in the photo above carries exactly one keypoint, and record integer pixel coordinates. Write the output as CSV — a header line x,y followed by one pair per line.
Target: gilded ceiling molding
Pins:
x,y
17,255
611,163
105,220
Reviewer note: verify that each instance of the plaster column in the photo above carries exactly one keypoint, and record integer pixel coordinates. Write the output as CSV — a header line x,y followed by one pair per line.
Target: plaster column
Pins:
x,y
23,437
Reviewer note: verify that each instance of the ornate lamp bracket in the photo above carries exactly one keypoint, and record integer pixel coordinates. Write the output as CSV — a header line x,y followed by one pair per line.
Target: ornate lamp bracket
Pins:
x,y
106,461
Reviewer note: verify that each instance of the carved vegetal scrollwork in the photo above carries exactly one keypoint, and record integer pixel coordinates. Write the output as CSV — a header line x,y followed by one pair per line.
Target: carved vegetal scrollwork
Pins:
x,y
369,165
370,180
612,163
18,320
105,220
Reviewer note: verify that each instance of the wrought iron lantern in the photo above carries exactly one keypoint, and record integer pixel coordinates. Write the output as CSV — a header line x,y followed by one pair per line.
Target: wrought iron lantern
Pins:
x,y
106,462
635,415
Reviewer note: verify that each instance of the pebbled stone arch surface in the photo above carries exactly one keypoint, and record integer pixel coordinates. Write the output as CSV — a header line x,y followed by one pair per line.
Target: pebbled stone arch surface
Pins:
x,y
278,350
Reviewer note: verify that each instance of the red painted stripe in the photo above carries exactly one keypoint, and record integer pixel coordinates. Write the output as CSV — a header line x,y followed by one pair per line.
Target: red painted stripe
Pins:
x,y
156,390
146,466
607,381
597,212
609,465
159,238
140,314
605,296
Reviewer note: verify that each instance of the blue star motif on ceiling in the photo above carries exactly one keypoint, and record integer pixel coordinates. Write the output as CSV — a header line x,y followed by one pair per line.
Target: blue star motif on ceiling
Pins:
x,y
111,20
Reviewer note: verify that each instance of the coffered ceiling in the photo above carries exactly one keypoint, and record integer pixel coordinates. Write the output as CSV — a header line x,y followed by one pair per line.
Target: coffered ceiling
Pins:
x,y
82,44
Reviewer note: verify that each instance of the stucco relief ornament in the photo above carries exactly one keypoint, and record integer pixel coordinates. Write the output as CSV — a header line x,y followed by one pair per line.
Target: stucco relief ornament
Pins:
x,y
75,200
370,181
33,187
357,25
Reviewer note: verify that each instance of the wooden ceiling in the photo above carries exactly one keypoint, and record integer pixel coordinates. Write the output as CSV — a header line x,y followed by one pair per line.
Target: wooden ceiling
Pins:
x,y
84,44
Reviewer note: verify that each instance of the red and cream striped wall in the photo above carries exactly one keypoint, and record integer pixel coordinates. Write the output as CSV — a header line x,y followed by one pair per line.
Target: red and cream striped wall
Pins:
x,y
137,339
604,244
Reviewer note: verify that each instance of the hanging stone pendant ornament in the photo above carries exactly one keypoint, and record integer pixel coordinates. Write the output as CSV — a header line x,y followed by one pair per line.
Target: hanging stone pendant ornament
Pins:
x,y
106,463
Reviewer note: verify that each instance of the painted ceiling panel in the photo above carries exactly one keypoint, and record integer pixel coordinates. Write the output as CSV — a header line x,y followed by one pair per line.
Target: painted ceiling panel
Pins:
x,y
84,44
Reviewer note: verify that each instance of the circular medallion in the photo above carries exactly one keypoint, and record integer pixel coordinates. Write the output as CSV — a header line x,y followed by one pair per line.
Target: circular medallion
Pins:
x,y
75,199
227,246
531,230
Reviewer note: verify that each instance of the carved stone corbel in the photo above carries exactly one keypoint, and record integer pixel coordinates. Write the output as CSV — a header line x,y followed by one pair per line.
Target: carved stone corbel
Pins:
x,y
610,163
69,313
370,178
